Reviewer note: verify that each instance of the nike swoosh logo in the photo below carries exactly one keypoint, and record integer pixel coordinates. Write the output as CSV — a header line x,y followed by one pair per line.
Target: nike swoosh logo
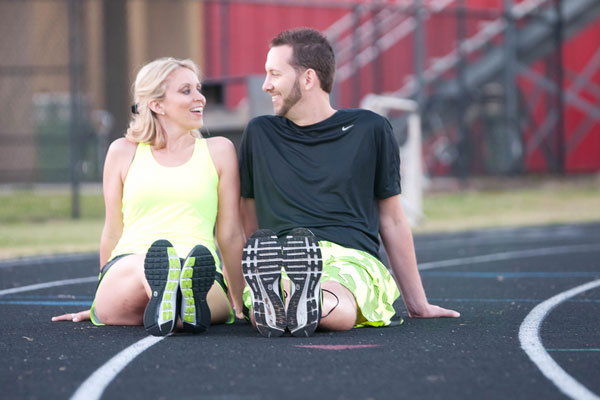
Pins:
x,y
345,128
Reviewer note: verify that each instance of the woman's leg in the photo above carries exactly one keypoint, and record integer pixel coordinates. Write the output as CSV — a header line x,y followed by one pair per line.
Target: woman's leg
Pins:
x,y
123,293
218,304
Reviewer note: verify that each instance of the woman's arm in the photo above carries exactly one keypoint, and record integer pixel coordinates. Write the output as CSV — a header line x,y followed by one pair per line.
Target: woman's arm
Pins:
x,y
116,166
229,231
118,159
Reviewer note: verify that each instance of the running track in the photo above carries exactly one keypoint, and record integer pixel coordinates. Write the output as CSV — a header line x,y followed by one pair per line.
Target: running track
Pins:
x,y
530,329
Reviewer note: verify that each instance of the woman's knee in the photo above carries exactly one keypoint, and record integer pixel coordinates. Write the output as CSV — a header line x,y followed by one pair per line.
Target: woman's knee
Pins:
x,y
121,296
119,311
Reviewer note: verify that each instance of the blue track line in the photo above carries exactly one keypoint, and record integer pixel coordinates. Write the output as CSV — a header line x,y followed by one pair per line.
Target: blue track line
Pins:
x,y
88,303
46,303
496,275
46,297
492,300
572,349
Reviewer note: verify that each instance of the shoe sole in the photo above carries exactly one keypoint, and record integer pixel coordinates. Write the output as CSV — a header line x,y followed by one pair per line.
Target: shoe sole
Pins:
x,y
197,277
162,268
261,265
303,264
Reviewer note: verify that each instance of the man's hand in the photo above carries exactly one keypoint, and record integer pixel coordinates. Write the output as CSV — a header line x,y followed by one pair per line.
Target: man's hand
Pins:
x,y
432,311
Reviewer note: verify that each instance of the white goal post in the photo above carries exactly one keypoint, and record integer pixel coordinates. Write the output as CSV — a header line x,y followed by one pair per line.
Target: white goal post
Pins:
x,y
411,167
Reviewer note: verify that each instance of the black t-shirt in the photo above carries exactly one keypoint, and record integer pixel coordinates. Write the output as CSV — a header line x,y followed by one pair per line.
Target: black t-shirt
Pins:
x,y
326,177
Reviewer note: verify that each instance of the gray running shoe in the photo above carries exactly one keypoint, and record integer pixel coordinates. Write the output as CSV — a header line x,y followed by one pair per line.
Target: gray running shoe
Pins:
x,y
197,277
162,268
303,264
261,265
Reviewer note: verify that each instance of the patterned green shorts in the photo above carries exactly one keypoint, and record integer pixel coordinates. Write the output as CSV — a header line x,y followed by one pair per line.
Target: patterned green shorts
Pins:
x,y
370,282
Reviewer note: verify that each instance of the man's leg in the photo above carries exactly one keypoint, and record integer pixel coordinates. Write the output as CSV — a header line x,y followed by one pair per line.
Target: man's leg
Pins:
x,y
339,310
338,306
357,289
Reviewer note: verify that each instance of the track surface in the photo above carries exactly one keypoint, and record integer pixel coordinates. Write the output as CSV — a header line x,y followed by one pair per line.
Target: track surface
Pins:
x,y
495,278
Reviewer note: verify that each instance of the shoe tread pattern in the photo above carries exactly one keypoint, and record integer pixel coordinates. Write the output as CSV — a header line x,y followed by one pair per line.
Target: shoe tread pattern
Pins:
x,y
261,265
197,277
303,264
162,270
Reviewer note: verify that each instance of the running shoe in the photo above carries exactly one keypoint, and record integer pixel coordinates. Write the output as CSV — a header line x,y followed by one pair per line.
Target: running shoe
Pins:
x,y
303,264
162,268
261,265
197,277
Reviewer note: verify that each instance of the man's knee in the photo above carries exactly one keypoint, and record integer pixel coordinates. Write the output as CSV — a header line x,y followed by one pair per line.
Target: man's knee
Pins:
x,y
339,309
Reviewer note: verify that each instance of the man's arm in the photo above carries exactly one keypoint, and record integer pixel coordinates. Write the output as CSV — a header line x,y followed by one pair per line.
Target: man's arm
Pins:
x,y
398,241
248,212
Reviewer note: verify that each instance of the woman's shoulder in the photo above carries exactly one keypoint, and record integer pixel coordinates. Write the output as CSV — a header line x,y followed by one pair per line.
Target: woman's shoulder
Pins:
x,y
122,146
121,150
222,151
220,144
123,143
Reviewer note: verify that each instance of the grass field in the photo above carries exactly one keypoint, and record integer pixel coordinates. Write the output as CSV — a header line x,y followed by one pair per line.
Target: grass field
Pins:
x,y
512,202
37,221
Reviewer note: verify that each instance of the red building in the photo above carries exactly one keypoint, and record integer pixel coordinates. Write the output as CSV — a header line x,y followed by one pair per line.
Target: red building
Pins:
x,y
452,55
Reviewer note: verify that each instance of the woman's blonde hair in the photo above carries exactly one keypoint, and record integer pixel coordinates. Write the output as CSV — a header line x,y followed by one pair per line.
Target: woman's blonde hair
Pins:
x,y
151,84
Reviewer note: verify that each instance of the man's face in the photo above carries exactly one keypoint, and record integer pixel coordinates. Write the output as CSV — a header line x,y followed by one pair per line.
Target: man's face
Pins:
x,y
282,81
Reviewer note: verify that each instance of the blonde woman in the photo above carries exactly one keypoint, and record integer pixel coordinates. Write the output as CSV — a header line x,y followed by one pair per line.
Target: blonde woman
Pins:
x,y
169,193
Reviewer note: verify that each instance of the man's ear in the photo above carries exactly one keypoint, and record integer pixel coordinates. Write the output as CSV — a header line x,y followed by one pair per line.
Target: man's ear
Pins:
x,y
310,79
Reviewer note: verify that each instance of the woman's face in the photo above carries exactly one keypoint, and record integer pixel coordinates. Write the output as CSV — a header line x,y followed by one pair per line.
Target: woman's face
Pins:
x,y
184,103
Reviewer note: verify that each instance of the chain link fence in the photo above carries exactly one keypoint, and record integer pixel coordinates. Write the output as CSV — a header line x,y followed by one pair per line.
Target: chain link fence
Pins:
x,y
491,84
46,132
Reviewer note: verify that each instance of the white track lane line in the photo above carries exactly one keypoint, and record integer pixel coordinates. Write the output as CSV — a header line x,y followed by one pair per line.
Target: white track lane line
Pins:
x,y
93,387
509,255
45,285
42,260
531,343
504,236
99,380
422,266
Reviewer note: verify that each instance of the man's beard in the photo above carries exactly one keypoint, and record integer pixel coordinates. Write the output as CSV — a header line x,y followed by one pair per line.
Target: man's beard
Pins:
x,y
291,99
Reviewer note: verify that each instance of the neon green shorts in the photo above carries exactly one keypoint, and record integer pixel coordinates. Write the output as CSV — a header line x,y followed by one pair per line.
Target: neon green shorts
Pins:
x,y
370,282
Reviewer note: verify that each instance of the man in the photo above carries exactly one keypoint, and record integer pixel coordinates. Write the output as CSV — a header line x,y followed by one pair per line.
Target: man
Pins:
x,y
327,182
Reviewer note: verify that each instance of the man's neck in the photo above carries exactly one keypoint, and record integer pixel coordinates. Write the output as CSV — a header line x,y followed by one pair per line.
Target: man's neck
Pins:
x,y
310,111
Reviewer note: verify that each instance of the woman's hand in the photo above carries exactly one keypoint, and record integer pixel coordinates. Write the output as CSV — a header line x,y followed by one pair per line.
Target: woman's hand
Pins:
x,y
75,317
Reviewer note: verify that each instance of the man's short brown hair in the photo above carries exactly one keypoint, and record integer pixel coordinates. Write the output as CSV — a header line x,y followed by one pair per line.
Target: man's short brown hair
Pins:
x,y
310,50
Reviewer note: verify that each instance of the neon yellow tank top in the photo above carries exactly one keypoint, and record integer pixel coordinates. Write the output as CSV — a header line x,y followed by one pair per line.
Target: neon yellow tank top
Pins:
x,y
174,203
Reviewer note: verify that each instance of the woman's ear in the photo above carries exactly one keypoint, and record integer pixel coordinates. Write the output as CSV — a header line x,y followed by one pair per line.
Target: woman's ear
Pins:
x,y
156,106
